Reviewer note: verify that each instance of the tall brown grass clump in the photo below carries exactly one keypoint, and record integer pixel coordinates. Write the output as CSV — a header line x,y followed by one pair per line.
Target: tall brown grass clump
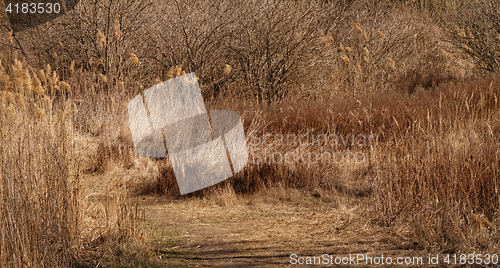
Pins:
x,y
38,175
439,170
432,173
46,220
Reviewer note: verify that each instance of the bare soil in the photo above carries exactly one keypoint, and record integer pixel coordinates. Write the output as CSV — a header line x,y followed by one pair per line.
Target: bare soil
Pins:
x,y
256,231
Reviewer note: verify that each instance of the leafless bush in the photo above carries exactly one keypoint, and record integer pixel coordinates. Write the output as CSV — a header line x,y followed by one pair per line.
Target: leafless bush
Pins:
x,y
264,43
377,48
474,27
96,36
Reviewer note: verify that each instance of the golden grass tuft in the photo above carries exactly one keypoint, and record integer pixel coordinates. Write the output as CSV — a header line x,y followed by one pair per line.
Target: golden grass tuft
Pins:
x,y
341,47
175,71
178,71
37,85
103,78
357,28
227,69
20,100
366,52
116,29
49,223
101,39
10,98
380,34
41,75
345,59
65,87
134,59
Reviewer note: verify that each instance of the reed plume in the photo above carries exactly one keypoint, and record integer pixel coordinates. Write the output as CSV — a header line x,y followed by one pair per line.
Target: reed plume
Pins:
x,y
134,59
227,69
357,28
101,39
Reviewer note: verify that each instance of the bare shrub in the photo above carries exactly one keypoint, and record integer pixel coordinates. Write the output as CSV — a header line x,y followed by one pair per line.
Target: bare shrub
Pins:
x,y
377,48
267,44
474,27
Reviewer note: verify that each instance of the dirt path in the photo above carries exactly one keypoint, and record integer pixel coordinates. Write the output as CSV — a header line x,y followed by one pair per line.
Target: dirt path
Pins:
x,y
264,233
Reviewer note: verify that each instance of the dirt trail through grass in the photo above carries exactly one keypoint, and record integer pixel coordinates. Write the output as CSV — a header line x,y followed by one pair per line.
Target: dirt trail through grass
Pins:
x,y
261,232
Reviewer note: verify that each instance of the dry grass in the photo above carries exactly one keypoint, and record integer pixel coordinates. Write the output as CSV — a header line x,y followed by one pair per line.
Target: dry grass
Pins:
x,y
434,167
47,220
331,68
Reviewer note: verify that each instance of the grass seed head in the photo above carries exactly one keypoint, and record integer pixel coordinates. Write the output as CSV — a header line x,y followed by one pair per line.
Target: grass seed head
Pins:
x,y
365,37
37,86
177,70
69,110
65,87
20,100
357,28
101,39
18,69
134,59
380,34
171,73
327,39
103,78
47,101
366,51
227,69
11,113
28,87
48,70
41,74
9,98
116,29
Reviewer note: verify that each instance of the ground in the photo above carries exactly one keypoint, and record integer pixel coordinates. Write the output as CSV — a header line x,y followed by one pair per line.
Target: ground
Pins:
x,y
256,231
